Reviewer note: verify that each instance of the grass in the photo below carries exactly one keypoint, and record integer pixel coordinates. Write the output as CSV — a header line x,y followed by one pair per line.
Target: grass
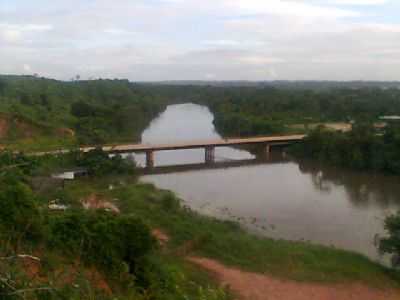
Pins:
x,y
41,143
228,243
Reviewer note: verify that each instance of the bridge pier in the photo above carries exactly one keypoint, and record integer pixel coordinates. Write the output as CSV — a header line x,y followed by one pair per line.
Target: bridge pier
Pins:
x,y
267,151
149,159
209,154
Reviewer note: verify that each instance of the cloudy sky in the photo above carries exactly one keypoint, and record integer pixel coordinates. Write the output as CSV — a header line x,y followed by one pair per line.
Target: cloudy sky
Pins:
x,y
148,40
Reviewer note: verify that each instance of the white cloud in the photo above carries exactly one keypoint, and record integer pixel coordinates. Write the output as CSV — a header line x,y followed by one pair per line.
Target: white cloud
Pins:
x,y
26,27
10,35
13,33
295,8
260,60
223,43
117,31
192,39
210,76
357,2
27,68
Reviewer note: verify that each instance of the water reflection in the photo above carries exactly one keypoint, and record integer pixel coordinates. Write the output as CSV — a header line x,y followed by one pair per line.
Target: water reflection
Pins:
x,y
363,189
186,122
280,198
275,158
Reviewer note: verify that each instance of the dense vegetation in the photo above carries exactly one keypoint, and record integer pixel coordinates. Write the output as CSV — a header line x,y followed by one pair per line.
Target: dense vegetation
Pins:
x,y
361,148
40,112
99,111
251,111
391,244
109,255
82,254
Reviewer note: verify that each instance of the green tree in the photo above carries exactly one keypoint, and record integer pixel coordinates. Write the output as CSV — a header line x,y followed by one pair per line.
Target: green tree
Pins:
x,y
391,244
82,109
19,213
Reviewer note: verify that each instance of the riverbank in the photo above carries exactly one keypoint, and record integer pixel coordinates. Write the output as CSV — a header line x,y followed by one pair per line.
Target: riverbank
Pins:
x,y
191,233
98,235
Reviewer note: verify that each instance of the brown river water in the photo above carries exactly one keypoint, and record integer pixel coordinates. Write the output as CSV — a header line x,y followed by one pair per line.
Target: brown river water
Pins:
x,y
280,198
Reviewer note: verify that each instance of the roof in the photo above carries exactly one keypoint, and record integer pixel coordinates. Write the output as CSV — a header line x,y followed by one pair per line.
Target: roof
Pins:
x,y
396,118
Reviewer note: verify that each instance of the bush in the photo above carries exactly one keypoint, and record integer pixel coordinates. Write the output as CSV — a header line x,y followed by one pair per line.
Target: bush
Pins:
x,y
10,161
102,238
19,213
99,163
170,203
391,244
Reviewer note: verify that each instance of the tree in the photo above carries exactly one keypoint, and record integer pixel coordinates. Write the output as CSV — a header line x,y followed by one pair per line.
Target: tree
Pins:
x,y
19,213
44,100
26,99
391,244
102,237
3,86
82,109
99,163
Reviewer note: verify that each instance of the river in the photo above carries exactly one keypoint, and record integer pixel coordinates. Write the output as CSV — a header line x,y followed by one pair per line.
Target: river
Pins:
x,y
281,198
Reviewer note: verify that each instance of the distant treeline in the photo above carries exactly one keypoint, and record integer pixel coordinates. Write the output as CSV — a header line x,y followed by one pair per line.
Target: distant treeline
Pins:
x,y
360,148
263,109
258,111
100,111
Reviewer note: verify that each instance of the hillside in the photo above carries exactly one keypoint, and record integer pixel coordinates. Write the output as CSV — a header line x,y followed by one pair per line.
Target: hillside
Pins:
x,y
85,112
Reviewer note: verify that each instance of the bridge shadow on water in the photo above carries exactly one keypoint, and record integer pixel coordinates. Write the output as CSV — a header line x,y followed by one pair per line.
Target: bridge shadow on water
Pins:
x,y
274,158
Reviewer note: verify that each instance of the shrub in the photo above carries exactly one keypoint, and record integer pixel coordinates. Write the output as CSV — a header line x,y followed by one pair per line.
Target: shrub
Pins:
x,y
10,161
391,244
170,202
19,213
99,163
102,238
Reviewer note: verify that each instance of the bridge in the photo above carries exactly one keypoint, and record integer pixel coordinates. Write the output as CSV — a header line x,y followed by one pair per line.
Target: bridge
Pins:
x,y
209,146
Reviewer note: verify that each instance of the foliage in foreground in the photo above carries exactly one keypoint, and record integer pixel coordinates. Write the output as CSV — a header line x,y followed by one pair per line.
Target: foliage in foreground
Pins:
x,y
81,244
391,244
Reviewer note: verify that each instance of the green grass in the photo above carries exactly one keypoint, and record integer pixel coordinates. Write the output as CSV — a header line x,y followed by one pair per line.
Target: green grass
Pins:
x,y
228,243
41,143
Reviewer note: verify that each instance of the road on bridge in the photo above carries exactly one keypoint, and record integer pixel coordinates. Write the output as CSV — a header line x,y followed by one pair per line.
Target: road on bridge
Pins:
x,y
128,148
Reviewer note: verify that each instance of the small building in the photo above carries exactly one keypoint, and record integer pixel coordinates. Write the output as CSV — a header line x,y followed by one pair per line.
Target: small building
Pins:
x,y
390,118
55,205
70,174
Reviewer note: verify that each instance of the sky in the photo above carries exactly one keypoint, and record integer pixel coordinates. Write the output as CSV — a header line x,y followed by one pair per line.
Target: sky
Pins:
x,y
153,40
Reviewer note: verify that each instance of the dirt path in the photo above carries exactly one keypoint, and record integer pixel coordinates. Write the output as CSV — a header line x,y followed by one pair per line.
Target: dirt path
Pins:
x,y
252,286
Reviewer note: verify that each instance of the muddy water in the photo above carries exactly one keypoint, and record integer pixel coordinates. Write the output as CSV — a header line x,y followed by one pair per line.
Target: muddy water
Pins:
x,y
279,198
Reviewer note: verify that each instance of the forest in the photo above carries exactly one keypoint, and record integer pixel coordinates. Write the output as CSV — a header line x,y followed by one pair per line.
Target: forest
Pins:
x,y
56,113
44,112
82,252
39,113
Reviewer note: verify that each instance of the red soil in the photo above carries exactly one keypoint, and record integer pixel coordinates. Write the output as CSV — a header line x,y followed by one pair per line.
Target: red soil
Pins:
x,y
95,201
4,126
160,236
252,286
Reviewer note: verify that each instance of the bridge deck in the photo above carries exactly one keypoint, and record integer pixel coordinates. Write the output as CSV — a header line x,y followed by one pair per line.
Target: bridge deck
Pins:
x,y
126,148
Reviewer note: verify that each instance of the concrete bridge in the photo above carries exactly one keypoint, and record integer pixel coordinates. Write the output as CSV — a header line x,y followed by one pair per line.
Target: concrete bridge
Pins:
x,y
209,146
